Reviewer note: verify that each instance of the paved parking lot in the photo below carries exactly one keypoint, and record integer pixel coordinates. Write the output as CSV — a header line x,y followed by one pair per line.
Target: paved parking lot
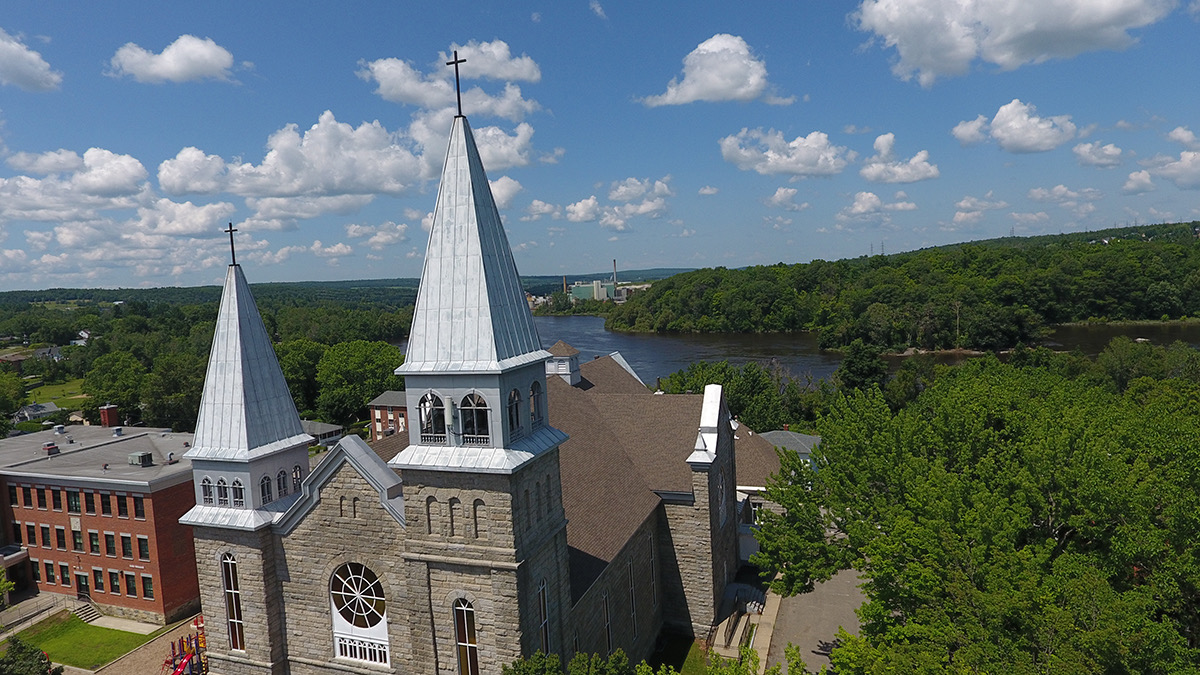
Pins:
x,y
811,621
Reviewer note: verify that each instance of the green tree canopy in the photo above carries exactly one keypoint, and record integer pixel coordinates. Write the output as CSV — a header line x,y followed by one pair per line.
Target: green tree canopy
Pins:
x,y
350,374
1010,520
114,378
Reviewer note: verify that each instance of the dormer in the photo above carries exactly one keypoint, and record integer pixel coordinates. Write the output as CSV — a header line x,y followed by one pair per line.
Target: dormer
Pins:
x,y
564,362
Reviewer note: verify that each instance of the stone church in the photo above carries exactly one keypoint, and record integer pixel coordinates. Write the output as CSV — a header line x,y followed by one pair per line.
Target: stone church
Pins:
x,y
535,503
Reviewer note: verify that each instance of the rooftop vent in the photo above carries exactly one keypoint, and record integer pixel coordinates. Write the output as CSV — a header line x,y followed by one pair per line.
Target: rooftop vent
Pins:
x,y
59,429
117,431
50,448
141,459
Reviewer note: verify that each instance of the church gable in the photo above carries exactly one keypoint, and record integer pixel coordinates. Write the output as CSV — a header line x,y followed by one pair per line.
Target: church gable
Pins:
x,y
351,471
341,567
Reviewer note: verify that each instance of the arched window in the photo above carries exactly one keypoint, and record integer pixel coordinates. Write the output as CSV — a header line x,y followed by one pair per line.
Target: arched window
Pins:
x,y
359,614
281,482
222,493
465,639
456,517
474,414
514,413
239,493
543,617
479,518
233,602
206,491
264,489
433,512
536,405
297,477
433,418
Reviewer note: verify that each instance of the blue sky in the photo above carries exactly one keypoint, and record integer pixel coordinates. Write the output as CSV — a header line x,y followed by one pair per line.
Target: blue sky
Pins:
x,y
688,134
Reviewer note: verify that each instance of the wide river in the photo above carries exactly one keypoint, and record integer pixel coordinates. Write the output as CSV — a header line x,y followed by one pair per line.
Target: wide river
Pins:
x,y
657,355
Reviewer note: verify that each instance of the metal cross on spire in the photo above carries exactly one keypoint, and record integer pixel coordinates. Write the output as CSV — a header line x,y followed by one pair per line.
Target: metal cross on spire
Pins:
x,y
457,88
232,252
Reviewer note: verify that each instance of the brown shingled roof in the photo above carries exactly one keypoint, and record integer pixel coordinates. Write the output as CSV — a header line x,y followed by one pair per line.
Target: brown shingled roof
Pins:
x,y
390,446
561,348
625,443
756,458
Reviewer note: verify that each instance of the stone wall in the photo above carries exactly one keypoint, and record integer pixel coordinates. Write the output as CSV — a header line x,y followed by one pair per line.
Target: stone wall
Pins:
x,y
257,579
348,524
634,623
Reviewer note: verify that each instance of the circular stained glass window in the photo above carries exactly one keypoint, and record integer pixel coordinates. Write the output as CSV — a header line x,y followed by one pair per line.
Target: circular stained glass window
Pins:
x,y
357,595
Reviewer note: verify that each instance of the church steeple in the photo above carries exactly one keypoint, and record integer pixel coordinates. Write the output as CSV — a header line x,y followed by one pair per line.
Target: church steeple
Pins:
x,y
246,409
250,452
471,314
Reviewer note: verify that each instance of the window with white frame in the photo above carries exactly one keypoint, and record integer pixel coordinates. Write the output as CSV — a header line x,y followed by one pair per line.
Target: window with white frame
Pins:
x,y
281,482
206,490
233,602
239,493
514,413
473,414
433,418
297,477
264,490
359,614
465,638
222,493
536,405
543,617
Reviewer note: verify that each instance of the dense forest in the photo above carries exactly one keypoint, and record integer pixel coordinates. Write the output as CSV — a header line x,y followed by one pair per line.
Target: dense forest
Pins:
x,y
1039,516
982,295
150,359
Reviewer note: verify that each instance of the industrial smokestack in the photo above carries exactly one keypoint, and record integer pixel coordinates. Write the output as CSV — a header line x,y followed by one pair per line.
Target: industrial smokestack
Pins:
x,y
614,275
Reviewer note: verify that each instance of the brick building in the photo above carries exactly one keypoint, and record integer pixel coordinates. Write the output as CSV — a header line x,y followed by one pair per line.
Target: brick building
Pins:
x,y
533,503
389,414
94,512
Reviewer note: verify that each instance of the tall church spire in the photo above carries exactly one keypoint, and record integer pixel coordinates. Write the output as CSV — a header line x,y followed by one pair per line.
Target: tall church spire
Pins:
x,y
246,409
471,314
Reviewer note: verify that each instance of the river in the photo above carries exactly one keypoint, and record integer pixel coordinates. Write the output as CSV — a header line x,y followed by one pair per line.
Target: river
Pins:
x,y
655,355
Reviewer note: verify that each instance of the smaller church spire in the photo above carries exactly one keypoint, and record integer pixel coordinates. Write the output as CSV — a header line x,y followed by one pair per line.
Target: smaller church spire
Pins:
x,y
246,409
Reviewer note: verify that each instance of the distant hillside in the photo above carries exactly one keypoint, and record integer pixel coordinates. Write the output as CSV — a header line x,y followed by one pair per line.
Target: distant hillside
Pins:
x,y
986,294
362,293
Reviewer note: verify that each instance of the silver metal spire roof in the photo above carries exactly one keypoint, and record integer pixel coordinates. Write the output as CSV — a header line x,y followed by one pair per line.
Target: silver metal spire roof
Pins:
x,y
246,410
471,314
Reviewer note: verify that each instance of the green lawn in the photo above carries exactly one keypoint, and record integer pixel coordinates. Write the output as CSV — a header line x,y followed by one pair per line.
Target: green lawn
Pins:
x,y
71,389
67,639
681,653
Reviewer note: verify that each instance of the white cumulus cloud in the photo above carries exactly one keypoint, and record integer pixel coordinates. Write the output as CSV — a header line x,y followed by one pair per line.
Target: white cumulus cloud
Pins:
x,y
1017,129
941,38
885,168
768,153
709,190
970,209
1095,154
785,198
1138,182
494,61
187,58
380,236
1185,137
722,68
504,189
971,132
25,68
44,163
584,210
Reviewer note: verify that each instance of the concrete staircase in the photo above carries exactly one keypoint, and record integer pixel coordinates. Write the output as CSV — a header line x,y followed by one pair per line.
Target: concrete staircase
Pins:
x,y
86,611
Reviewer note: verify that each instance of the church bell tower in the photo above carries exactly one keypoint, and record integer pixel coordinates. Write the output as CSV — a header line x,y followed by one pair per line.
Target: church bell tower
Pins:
x,y
486,529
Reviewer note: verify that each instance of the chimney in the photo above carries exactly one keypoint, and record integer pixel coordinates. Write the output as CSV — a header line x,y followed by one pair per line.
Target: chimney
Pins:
x,y
108,415
786,426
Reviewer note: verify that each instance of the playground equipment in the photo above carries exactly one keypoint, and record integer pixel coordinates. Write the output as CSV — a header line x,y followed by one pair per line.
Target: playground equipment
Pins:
x,y
188,654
